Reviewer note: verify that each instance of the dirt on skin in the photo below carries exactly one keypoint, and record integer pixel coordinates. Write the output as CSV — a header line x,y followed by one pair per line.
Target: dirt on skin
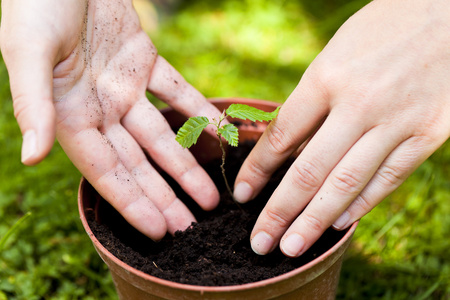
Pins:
x,y
213,252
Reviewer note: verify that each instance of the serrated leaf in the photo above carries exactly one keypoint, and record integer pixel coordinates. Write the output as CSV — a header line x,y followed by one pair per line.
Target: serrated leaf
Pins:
x,y
230,133
188,134
245,112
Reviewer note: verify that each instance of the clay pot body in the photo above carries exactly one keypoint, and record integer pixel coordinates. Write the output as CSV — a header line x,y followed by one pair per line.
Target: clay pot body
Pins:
x,y
317,279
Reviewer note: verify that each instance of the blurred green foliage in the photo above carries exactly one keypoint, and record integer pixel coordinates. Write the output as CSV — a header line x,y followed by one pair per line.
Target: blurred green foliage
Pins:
x,y
246,48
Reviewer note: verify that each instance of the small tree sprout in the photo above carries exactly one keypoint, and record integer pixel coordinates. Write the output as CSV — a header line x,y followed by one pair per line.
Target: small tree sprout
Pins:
x,y
189,133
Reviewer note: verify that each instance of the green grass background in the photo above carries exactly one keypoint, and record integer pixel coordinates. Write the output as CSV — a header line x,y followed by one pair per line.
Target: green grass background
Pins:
x,y
246,48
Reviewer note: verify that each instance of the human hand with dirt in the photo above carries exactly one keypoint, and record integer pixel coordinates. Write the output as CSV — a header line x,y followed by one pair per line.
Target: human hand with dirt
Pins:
x,y
79,70
368,111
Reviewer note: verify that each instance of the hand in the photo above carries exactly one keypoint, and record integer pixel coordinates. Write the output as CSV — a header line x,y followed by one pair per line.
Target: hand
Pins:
x,y
80,70
368,111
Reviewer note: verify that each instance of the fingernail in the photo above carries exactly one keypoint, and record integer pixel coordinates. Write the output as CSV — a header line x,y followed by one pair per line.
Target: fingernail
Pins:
x,y
262,243
341,222
293,245
29,145
243,192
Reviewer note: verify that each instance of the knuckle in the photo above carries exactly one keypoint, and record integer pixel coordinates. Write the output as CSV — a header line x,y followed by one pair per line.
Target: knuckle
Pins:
x,y
345,181
319,73
326,76
277,139
8,46
27,111
390,176
19,105
278,217
312,222
363,203
257,169
305,176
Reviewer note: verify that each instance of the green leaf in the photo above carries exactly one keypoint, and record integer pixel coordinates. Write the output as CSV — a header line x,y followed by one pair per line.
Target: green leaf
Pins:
x,y
188,134
13,229
242,111
230,133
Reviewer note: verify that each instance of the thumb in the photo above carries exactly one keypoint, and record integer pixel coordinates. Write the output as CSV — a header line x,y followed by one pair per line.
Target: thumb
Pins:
x,y
31,77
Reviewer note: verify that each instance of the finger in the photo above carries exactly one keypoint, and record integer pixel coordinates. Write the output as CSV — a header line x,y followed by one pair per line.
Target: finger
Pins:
x,y
30,76
167,84
152,132
340,188
299,150
97,159
304,178
296,121
176,214
396,168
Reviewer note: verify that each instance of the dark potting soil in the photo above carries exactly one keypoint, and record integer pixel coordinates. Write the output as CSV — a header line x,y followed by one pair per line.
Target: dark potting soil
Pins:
x,y
216,250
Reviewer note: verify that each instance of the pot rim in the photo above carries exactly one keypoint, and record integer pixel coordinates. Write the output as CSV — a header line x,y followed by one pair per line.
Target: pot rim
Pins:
x,y
199,288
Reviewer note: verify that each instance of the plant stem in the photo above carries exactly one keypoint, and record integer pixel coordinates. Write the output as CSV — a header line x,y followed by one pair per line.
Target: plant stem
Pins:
x,y
222,166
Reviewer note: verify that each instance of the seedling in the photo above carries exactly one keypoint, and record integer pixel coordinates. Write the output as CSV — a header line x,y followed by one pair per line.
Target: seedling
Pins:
x,y
189,133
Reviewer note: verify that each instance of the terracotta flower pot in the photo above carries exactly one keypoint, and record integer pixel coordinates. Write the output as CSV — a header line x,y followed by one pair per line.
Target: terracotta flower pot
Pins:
x,y
317,279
